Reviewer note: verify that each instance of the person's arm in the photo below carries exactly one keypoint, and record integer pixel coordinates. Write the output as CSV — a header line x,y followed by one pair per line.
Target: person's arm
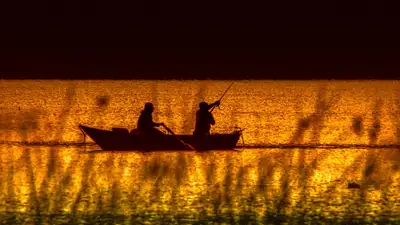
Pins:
x,y
154,124
157,124
212,121
217,103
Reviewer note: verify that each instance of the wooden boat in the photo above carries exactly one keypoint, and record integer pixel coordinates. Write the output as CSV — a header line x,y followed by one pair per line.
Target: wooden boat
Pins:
x,y
121,139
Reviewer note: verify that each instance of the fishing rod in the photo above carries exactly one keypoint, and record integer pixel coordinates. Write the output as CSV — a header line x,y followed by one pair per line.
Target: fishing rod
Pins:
x,y
223,95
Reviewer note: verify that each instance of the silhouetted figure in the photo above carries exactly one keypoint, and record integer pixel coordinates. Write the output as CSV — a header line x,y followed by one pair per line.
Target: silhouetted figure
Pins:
x,y
145,123
204,118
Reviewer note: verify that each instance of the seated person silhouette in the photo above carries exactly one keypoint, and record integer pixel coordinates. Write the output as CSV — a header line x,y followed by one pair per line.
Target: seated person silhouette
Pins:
x,y
204,119
145,123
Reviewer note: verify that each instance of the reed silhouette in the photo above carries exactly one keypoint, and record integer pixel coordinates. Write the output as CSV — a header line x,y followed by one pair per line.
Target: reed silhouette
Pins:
x,y
395,116
374,131
34,202
169,113
53,153
184,111
84,184
302,126
223,195
317,118
190,119
357,125
154,100
65,181
315,121
238,186
282,199
11,195
115,198
304,173
156,170
18,122
372,164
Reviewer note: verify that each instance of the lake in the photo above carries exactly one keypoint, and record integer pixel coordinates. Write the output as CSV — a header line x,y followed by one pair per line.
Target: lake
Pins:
x,y
304,142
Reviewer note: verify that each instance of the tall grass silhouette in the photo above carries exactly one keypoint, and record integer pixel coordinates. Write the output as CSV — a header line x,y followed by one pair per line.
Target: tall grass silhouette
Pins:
x,y
249,187
53,153
190,118
154,99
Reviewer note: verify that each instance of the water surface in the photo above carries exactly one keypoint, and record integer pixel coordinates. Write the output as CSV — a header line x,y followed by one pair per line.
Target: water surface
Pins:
x,y
343,132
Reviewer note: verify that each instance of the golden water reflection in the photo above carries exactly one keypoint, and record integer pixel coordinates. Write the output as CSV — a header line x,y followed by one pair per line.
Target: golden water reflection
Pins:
x,y
292,182
47,177
272,112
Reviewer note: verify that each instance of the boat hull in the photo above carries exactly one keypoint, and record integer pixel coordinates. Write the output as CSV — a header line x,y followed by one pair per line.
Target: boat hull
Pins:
x,y
120,139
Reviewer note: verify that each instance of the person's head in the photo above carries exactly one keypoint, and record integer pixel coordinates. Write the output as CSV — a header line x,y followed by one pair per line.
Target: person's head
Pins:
x,y
203,106
148,107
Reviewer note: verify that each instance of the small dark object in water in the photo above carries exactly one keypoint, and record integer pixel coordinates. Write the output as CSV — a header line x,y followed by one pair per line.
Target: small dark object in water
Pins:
x,y
353,185
102,100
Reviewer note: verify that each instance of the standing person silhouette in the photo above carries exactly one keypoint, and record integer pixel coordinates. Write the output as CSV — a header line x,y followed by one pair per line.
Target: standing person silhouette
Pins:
x,y
204,119
145,123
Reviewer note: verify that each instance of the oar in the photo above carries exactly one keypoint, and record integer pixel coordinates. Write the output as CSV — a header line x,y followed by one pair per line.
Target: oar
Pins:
x,y
180,140
223,95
